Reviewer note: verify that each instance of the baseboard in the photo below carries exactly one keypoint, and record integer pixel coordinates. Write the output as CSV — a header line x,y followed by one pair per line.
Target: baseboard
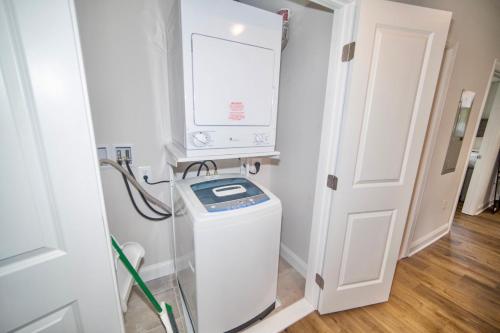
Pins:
x,y
484,207
279,321
423,242
158,270
294,260
478,210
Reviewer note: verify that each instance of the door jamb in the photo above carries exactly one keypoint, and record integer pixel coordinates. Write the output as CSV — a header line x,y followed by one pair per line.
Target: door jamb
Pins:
x,y
343,32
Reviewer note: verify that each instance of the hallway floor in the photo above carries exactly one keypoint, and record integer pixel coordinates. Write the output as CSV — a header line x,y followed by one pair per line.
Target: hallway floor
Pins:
x,y
451,286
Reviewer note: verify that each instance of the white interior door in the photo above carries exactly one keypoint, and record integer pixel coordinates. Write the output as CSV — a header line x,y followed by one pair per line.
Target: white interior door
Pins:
x,y
481,187
393,78
56,272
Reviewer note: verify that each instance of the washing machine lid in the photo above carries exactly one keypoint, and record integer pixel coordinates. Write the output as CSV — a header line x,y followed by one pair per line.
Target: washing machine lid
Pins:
x,y
228,194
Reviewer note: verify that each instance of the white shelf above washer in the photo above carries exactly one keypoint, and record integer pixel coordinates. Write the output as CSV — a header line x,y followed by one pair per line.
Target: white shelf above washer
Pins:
x,y
176,155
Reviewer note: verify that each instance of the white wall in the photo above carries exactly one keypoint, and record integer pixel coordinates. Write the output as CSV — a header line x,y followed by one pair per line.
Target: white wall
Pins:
x,y
304,65
125,56
476,26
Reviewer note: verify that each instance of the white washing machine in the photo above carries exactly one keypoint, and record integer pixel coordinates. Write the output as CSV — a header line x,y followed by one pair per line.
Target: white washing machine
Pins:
x,y
227,231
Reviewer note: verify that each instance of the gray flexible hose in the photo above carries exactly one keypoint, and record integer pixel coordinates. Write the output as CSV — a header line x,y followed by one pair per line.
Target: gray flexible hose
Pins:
x,y
134,183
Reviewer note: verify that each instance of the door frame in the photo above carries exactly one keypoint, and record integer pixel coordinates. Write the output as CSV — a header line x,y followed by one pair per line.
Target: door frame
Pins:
x,y
344,28
447,68
496,68
343,31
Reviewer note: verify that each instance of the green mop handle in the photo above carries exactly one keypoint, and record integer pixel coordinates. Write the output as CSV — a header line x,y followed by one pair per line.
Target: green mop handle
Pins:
x,y
138,279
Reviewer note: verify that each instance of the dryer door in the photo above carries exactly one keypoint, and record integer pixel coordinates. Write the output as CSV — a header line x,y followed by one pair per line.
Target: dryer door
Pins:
x,y
232,83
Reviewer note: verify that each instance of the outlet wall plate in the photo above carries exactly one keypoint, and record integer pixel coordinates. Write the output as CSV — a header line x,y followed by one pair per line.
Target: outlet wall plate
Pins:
x,y
103,151
144,171
122,147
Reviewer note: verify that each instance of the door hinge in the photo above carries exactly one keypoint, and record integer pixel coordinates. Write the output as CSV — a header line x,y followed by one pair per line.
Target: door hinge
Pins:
x,y
331,182
319,281
348,51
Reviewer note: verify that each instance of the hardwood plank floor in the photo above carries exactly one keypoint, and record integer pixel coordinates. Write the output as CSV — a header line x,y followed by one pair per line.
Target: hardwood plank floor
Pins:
x,y
451,286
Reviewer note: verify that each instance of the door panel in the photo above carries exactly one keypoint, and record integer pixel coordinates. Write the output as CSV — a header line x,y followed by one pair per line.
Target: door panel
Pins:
x,y
56,271
372,252
399,55
393,77
65,320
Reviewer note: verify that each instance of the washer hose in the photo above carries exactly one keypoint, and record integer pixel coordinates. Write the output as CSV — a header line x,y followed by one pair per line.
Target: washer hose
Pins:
x,y
164,215
136,184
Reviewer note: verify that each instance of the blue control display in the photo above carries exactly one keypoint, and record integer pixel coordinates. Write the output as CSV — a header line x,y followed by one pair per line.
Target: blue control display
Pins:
x,y
228,194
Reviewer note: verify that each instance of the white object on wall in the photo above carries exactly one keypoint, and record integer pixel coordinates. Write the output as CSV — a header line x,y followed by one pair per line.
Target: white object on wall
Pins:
x,y
224,62
467,98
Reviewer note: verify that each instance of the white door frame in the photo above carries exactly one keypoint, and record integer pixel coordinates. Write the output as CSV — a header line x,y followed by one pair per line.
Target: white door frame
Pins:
x,y
430,142
343,29
468,207
496,66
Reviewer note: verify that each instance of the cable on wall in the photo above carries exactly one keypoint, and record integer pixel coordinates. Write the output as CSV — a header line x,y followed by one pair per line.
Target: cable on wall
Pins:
x,y
146,180
128,178
131,197
127,164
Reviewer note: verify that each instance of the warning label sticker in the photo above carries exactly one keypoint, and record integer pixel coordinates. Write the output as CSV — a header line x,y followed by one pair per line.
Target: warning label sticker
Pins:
x,y
236,111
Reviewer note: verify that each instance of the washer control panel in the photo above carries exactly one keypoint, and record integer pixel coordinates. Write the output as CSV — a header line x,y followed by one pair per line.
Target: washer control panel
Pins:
x,y
228,194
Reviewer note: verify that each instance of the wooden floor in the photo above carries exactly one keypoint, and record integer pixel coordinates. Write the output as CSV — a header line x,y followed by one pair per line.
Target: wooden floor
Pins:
x,y
451,286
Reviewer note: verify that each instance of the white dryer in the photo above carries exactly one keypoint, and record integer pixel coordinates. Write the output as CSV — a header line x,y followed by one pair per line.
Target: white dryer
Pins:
x,y
227,237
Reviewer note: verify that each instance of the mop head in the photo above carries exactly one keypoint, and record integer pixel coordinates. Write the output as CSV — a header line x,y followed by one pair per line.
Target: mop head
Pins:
x,y
167,318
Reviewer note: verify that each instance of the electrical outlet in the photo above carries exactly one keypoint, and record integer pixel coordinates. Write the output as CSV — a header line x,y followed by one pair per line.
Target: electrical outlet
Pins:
x,y
144,171
122,152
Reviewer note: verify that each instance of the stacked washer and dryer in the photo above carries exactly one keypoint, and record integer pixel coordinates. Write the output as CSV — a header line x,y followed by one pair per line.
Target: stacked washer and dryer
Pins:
x,y
224,66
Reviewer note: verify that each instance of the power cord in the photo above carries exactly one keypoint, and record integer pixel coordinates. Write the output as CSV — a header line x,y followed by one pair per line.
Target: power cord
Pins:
x,y
214,165
163,215
201,164
125,180
154,183
257,169
127,164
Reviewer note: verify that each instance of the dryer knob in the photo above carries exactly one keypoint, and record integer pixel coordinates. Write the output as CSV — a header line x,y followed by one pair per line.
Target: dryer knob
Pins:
x,y
200,139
